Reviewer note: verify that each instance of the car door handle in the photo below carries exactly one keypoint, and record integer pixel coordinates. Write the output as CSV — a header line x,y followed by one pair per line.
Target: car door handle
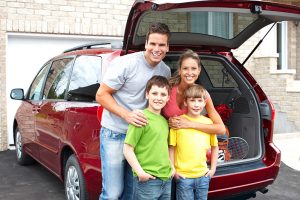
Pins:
x,y
36,109
77,126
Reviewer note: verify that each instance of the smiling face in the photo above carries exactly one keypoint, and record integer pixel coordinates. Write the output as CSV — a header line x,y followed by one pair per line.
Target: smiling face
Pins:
x,y
195,106
156,48
157,98
189,70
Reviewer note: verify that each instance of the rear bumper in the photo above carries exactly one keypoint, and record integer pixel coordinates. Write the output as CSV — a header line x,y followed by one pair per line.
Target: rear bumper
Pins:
x,y
262,174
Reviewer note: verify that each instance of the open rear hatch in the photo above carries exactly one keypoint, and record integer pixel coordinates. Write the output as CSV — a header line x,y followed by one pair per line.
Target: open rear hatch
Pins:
x,y
206,25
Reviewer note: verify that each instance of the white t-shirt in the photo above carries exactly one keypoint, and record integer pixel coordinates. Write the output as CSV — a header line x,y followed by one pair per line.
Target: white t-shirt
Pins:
x,y
129,75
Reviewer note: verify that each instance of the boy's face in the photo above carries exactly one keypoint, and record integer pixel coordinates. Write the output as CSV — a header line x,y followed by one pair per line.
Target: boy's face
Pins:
x,y
156,48
194,106
157,98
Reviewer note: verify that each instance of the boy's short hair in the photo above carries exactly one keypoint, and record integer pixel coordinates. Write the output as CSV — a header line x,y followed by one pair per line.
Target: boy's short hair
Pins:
x,y
157,27
159,81
195,91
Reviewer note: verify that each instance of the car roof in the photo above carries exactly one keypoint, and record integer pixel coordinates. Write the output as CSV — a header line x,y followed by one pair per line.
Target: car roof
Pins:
x,y
245,18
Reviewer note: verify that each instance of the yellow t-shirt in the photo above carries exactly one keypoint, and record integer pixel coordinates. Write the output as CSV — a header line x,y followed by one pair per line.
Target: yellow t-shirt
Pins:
x,y
191,146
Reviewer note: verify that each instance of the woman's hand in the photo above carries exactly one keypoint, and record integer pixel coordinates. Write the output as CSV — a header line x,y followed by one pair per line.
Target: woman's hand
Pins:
x,y
179,122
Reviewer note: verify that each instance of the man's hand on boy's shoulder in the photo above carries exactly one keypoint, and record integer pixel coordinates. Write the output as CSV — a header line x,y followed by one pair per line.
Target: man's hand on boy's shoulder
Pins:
x,y
136,118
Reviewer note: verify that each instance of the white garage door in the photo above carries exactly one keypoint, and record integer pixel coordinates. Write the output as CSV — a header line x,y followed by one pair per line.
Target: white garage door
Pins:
x,y
26,54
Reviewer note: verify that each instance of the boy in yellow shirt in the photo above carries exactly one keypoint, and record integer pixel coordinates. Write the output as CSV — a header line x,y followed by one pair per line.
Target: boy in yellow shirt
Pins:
x,y
188,149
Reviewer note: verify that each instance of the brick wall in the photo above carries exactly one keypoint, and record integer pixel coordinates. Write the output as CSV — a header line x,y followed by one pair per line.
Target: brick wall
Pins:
x,y
76,17
3,131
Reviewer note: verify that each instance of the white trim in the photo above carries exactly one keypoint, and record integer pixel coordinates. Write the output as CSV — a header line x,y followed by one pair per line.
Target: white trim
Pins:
x,y
210,23
64,36
283,72
230,25
284,43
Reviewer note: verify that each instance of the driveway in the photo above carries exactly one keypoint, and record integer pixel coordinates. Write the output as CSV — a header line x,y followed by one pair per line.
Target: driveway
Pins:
x,y
35,182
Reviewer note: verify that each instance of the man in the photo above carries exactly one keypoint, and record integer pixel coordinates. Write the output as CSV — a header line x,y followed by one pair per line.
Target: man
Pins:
x,y
122,94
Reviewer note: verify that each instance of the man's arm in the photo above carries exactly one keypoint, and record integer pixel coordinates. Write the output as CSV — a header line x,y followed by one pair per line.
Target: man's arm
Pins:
x,y
134,163
105,99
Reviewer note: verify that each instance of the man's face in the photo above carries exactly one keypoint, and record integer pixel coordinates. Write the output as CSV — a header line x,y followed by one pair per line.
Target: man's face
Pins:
x,y
157,98
156,48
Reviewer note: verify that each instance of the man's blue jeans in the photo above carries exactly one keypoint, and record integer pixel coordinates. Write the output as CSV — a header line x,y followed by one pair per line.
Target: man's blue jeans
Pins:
x,y
117,174
152,189
192,188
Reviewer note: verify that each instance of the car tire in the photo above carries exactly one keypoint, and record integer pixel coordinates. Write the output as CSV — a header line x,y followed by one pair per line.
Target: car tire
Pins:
x,y
75,187
22,157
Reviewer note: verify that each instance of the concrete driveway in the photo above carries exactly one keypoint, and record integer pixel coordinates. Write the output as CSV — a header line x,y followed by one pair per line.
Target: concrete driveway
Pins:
x,y
35,182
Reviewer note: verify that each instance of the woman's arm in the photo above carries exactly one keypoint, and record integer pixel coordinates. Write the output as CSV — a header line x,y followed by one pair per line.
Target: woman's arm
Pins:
x,y
217,127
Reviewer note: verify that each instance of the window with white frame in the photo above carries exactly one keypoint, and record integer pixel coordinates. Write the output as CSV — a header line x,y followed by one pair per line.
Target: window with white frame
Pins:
x,y
212,23
282,34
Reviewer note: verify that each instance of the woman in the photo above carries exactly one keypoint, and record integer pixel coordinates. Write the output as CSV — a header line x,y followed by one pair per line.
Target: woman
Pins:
x,y
186,75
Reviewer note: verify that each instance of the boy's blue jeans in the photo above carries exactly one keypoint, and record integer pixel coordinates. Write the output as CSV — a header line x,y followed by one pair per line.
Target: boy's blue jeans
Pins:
x,y
117,177
152,189
192,188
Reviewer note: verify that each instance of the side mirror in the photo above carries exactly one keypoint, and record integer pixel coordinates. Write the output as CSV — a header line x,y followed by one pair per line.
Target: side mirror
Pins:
x,y
17,94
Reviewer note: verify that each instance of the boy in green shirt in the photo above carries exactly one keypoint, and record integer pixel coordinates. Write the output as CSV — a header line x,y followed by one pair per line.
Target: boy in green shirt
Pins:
x,y
146,148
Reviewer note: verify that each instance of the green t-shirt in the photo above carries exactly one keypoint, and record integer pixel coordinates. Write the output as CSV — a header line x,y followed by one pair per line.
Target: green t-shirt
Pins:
x,y
150,145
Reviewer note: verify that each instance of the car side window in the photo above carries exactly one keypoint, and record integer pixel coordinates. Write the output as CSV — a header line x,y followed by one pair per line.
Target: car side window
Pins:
x,y
57,79
37,84
85,78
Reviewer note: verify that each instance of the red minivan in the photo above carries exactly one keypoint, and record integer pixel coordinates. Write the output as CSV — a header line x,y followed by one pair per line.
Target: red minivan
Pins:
x,y
58,121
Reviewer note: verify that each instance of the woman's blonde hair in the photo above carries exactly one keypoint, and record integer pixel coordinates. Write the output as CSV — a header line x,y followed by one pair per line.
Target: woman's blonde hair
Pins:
x,y
175,79
195,91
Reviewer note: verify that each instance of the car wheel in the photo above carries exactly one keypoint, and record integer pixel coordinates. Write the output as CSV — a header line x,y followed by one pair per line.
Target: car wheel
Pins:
x,y
22,157
74,181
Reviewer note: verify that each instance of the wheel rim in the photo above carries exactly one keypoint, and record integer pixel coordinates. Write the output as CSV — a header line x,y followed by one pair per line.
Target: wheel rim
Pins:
x,y
72,184
19,145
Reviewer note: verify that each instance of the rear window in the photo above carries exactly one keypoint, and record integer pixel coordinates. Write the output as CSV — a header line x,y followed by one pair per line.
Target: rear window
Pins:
x,y
225,25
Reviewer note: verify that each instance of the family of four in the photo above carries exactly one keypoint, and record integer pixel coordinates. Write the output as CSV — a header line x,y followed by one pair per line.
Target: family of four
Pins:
x,y
169,138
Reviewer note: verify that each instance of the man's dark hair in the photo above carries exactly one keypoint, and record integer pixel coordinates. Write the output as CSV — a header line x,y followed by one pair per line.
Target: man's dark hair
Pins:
x,y
157,27
159,81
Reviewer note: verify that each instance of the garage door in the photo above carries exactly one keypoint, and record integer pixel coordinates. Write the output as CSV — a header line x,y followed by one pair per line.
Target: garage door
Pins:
x,y
26,54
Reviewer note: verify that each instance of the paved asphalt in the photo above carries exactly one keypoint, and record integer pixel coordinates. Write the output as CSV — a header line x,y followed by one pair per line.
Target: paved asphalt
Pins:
x,y
35,182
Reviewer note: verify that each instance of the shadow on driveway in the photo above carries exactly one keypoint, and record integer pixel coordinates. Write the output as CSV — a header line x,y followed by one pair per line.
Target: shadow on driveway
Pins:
x,y
35,182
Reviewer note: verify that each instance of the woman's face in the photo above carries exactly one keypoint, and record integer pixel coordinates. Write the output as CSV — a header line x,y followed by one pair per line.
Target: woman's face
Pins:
x,y
189,71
